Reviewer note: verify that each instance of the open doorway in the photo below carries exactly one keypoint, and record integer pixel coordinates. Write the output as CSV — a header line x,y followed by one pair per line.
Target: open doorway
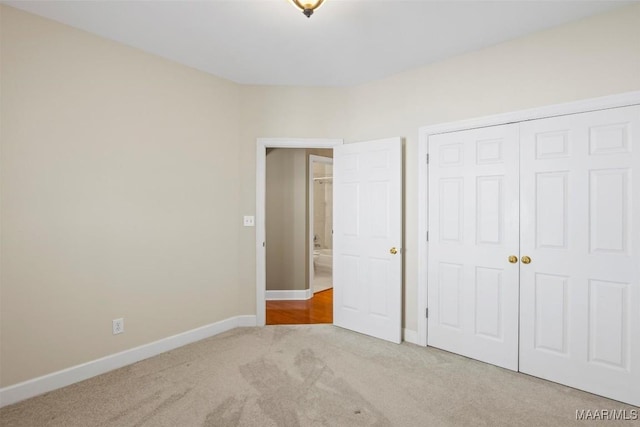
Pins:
x,y
298,221
292,243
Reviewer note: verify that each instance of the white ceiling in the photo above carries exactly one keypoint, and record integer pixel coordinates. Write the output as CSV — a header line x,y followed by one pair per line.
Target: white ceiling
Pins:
x,y
346,42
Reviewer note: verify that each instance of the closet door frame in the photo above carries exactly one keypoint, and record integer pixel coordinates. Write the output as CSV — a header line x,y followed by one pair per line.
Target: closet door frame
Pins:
x,y
593,104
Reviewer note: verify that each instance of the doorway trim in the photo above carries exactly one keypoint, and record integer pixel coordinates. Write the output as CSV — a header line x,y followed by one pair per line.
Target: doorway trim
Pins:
x,y
311,211
261,177
581,106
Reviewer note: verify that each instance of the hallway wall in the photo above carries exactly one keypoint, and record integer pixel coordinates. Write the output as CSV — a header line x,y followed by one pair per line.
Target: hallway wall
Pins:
x,y
286,219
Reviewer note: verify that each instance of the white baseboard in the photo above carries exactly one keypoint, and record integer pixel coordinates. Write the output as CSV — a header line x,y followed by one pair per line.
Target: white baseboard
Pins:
x,y
74,374
247,321
288,295
410,336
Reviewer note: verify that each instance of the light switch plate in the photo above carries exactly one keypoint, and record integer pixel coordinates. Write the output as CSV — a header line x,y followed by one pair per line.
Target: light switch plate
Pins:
x,y
249,221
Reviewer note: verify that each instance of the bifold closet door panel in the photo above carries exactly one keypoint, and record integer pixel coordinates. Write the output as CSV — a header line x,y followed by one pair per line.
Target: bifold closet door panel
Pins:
x,y
473,230
580,226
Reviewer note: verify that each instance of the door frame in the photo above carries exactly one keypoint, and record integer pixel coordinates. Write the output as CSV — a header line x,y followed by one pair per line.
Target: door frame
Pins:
x,y
582,106
261,178
310,210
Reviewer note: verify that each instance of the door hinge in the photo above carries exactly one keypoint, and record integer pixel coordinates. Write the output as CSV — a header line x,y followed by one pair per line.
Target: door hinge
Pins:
x,y
426,314
427,158
427,236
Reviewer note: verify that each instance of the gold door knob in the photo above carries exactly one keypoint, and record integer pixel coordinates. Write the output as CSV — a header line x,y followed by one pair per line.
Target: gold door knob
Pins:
x,y
393,251
513,259
525,259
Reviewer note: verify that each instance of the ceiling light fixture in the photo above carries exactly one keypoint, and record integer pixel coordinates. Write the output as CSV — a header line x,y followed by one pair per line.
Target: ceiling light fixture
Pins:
x,y
307,6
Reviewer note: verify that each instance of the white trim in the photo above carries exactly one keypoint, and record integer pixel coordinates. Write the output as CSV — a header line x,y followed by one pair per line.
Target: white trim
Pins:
x,y
245,321
582,106
261,167
74,374
410,336
423,246
310,209
297,295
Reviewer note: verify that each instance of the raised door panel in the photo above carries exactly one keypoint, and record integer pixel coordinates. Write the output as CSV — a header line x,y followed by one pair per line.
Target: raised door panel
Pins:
x,y
450,214
489,304
449,301
551,217
489,210
608,330
551,313
609,210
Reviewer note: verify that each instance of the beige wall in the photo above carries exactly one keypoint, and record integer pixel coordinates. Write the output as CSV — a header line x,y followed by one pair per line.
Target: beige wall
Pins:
x,y
278,112
286,219
124,176
594,57
120,197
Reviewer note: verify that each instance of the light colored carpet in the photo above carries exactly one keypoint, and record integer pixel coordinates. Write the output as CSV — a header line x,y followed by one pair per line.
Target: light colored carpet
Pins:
x,y
308,375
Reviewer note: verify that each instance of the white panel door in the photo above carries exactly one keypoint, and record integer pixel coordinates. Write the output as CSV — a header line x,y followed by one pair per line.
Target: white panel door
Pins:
x,y
473,230
367,240
580,225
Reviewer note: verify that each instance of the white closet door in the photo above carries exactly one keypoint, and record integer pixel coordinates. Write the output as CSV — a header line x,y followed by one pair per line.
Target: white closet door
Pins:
x,y
580,225
473,229
367,240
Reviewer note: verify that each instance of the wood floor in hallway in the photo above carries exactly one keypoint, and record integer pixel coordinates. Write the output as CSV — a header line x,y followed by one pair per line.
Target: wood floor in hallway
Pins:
x,y
318,309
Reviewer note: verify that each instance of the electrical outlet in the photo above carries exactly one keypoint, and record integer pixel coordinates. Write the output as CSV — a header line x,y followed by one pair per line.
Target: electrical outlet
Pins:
x,y
118,326
249,221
